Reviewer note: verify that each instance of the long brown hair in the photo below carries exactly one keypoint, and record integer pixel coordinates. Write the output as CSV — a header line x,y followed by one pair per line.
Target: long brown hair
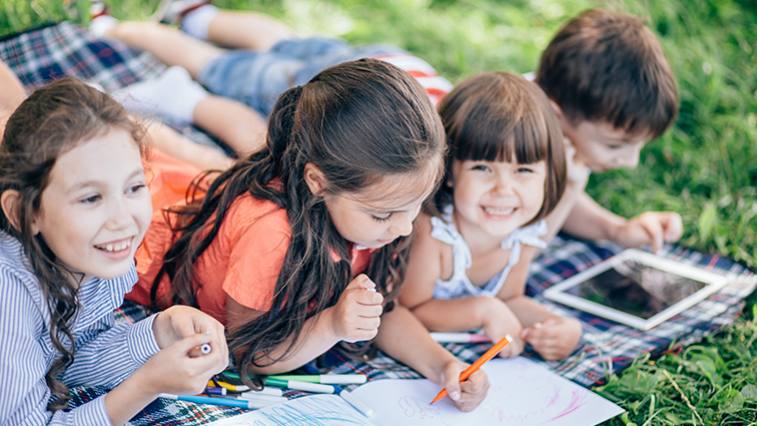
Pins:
x,y
499,116
53,120
357,122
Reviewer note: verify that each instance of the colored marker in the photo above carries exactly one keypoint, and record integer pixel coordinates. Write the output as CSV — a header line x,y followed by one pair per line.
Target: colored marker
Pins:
x,y
267,399
229,386
297,385
494,350
327,379
225,402
205,348
267,390
356,402
459,338
212,390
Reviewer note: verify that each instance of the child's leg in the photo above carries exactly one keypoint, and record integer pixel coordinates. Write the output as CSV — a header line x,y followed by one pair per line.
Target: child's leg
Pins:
x,y
167,141
241,128
176,98
552,336
169,45
246,30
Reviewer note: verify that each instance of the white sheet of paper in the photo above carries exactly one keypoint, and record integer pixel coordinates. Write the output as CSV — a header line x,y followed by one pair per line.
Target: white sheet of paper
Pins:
x,y
316,410
522,392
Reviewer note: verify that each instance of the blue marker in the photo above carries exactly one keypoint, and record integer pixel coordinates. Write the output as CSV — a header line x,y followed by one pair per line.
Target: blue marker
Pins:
x,y
226,402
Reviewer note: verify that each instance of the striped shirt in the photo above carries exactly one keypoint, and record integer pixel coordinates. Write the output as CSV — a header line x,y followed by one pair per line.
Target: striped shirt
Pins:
x,y
106,353
436,86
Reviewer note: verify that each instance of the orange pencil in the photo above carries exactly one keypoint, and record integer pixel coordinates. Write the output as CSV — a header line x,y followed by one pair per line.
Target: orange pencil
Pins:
x,y
494,350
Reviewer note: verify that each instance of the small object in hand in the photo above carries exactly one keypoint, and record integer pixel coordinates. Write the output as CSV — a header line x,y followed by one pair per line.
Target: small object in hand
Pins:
x,y
205,348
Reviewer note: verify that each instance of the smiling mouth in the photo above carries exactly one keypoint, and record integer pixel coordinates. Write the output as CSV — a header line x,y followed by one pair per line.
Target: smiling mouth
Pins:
x,y
499,212
116,246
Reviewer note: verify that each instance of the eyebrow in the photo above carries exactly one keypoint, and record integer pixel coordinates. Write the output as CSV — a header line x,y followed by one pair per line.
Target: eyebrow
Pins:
x,y
87,183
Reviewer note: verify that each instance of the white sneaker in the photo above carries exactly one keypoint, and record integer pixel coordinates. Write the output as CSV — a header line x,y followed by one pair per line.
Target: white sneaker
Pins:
x,y
172,11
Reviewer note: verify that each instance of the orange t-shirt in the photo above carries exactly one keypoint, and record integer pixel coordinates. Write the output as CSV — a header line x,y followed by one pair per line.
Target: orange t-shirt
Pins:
x,y
242,262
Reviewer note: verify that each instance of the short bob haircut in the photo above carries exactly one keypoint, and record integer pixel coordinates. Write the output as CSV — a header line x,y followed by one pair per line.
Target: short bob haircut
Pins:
x,y
498,116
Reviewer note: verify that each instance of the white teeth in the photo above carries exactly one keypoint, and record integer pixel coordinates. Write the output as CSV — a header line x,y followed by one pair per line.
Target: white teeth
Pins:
x,y
114,247
499,211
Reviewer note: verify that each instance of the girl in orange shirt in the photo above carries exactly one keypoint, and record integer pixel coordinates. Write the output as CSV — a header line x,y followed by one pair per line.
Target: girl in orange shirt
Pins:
x,y
303,245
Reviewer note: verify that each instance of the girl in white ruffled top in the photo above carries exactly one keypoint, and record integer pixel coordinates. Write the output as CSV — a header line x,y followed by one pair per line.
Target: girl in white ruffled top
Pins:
x,y
471,251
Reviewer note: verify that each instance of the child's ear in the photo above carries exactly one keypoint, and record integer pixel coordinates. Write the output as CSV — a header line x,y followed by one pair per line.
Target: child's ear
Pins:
x,y
557,110
9,201
314,179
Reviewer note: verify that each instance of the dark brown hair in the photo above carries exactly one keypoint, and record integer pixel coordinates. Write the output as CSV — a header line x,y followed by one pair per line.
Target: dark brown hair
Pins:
x,y
498,116
357,122
607,66
50,122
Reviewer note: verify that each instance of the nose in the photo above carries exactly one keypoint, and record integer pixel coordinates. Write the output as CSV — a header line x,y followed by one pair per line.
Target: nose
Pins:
x,y
119,216
503,186
403,227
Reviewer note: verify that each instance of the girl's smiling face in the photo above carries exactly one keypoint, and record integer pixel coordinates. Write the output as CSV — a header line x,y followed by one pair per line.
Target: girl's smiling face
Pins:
x,y
95,208
495,198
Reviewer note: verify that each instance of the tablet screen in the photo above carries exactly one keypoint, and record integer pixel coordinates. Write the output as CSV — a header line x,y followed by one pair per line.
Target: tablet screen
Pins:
x,y
636,289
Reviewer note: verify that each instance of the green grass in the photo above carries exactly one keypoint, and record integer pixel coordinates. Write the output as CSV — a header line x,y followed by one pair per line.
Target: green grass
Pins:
x,y
705,167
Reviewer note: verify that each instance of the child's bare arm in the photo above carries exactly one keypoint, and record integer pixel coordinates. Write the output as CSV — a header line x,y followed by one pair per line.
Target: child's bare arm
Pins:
x,y
515,284
424,269
315,339
355,317
12,93
589,220
552,336
429,358
424,266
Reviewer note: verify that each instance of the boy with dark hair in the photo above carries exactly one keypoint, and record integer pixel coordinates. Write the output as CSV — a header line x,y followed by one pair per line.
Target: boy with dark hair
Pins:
x,y
613,91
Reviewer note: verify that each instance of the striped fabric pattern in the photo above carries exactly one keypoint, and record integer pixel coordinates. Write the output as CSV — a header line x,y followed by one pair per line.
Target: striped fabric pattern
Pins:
x,y
107,352
436,86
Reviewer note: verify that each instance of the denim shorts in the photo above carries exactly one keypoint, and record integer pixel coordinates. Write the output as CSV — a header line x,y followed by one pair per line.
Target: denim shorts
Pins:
x,y
259,78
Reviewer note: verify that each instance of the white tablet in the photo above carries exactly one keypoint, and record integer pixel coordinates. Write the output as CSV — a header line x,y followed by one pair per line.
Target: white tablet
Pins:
x,y
636,288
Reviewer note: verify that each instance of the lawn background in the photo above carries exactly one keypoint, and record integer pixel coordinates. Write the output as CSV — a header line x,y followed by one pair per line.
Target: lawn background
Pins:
x,y
705,167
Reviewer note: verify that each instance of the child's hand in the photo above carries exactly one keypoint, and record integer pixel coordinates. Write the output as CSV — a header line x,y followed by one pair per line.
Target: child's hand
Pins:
x,y
178,322
554,338
652,228
466,395
499,321
357,315
175,370
577,172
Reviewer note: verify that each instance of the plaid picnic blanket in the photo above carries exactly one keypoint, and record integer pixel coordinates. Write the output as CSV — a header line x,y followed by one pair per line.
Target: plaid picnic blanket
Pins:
x,y
40,55
43,54
605,347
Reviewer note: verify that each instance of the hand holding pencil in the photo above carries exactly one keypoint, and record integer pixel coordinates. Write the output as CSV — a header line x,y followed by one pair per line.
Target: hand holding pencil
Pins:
x,y
466,374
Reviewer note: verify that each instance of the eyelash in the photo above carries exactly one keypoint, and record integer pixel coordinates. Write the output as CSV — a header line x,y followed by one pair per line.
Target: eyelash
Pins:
x,y
137,187
95,198
381,219
90,200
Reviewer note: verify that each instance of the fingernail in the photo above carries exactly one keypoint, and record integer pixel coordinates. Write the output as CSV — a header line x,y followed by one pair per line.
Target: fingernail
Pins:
x,y
454,395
